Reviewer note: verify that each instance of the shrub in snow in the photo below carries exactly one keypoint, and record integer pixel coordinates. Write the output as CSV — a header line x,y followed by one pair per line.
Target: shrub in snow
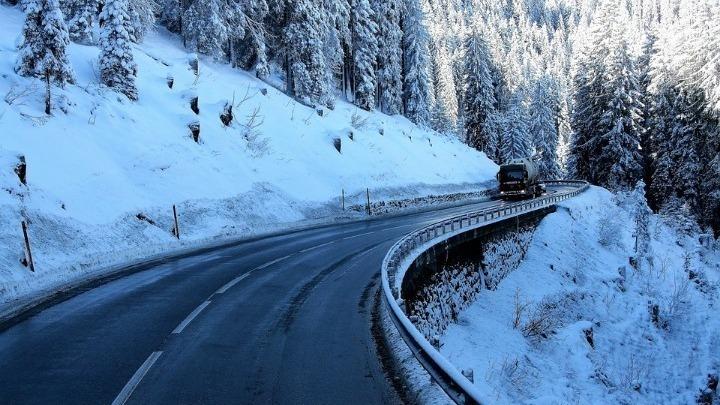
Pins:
x,y
503,255
440,301
678,215
609,229
453,288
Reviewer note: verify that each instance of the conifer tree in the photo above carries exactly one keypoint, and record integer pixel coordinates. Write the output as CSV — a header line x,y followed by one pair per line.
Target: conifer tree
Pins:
x,y
43,50
389,61
118,69
365,52
417,84
515,140
641,213
204,29
616,162
81,19
542,127
479,95
302,42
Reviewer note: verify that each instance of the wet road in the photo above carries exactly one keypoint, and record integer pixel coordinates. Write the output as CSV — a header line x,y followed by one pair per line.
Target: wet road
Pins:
x,y
282,320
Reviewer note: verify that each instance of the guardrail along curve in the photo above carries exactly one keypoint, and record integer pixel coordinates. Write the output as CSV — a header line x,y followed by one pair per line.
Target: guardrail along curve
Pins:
x,y
404,252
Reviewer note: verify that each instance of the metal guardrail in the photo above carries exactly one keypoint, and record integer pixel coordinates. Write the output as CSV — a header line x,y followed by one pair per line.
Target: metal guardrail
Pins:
x,y
402,254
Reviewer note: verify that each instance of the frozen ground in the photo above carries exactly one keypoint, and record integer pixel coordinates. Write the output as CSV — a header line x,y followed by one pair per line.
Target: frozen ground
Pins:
x,y
103,172
594,339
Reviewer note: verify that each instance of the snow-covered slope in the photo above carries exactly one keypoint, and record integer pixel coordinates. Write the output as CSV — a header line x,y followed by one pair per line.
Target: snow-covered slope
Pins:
x,y
571,283
101,160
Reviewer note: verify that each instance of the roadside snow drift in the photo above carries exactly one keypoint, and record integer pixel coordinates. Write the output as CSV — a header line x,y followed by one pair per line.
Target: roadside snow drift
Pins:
x,y
592,328
103,173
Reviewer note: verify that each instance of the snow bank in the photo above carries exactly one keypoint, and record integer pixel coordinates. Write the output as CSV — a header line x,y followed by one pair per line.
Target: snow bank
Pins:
x,y
601,343
101,160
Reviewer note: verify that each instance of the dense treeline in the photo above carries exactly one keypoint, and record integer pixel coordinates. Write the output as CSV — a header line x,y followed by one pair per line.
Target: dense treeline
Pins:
x,y
610,91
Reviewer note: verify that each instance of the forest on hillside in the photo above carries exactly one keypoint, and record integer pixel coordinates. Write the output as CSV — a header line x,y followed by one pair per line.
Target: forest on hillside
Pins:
x,y
614,92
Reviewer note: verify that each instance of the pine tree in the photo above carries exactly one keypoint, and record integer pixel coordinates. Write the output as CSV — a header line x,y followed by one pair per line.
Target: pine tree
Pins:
x,y
302,42
617,163
337,38
542,127
170,14
678,214
142,18
589,95
479,99
389,61
117,64
417,84
81,18
204,29
247,35
43,50
445,110
685,130
365,51
515,141
641,214
646,101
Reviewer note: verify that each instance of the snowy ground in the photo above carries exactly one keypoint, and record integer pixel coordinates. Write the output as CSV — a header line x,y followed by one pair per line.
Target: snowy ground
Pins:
x,y
101,161
571,283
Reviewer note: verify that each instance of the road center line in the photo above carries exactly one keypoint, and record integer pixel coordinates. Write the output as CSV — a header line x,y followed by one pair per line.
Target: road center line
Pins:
x,y
190,317
270,263
232,282
359,235
316,247
128,389
398,227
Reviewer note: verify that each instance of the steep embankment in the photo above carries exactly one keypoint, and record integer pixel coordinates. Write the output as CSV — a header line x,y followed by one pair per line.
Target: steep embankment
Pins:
x,y
103,173
590,328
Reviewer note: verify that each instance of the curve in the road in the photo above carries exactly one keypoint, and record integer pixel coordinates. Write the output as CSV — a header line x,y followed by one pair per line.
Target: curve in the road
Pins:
x,y
282,319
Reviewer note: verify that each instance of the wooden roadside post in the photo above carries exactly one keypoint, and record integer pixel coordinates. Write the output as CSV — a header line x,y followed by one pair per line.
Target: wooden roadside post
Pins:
x,y
343,199
28,260
367,194
177,228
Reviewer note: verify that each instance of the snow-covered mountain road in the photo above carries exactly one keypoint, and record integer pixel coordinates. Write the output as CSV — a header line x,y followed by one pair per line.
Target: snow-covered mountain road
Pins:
x,y
283,319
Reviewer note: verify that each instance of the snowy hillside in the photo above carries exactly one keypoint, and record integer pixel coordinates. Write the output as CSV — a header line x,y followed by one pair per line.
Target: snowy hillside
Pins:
x,y
591,328
103,172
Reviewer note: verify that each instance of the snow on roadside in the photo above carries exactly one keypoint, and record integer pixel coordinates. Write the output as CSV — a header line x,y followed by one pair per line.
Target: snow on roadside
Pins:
x,y
103,172
573,284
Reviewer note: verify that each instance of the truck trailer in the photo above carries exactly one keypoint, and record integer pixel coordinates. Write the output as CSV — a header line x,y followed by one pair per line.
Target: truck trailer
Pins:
x,y
519,179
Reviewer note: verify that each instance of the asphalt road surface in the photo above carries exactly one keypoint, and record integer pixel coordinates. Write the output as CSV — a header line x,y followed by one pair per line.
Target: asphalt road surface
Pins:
x,y
279,320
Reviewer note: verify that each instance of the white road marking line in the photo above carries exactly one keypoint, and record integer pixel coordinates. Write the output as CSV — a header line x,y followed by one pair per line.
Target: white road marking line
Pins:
x,y
128,389
270,263
398,227
232,282
190,317
316,247
358,235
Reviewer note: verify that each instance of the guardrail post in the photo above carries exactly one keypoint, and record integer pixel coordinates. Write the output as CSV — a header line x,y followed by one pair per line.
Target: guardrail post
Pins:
x,y
28,260
367,194
176,230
